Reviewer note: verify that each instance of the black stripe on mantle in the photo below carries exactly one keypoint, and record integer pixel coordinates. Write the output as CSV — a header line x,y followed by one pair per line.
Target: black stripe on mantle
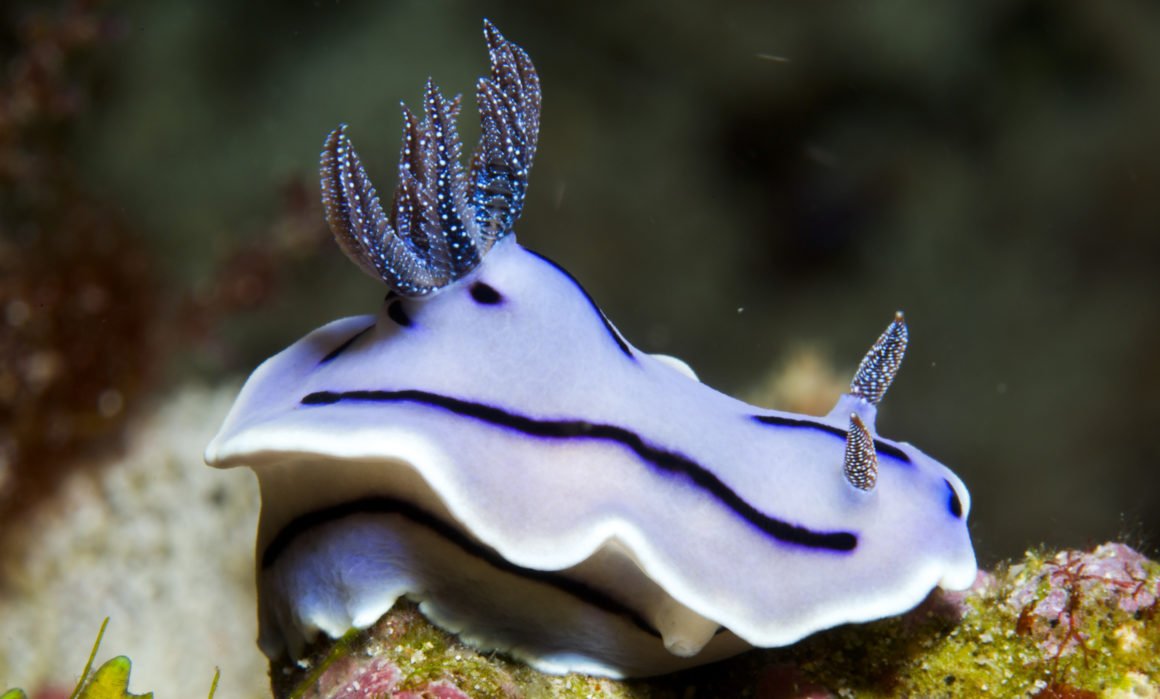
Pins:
x,y
668,461
344,346
620,342
393,506
782,421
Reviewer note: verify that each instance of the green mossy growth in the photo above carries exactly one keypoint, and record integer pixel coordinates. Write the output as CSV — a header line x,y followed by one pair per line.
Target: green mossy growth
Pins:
x,y
1100,643
1093,645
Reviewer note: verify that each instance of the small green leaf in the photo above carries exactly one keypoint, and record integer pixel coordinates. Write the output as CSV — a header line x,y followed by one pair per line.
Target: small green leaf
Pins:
x,y
111,681
14,694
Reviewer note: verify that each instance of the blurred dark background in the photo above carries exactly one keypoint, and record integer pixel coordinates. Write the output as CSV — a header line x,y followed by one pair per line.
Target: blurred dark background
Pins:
x,y
730,180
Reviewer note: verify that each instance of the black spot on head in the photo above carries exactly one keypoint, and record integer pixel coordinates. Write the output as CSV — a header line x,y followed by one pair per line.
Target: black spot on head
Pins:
x,y
954,504
487,295
397,313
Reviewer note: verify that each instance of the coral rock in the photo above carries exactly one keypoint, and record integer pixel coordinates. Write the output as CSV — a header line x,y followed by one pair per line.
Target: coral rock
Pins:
x,y
1073,624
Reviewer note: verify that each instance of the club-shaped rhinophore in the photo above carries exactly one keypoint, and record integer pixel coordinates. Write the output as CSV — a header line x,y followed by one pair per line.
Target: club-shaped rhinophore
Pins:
x,y
880,365
871,381
861,467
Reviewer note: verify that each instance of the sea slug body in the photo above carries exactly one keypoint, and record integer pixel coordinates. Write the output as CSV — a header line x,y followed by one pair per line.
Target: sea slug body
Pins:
x,y
491,446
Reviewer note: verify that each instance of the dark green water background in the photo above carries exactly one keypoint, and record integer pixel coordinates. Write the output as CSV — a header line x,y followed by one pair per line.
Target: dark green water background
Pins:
x,y
992,168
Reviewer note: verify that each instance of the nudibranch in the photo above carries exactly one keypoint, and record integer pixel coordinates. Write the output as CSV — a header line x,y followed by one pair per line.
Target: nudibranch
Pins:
x,y
490,446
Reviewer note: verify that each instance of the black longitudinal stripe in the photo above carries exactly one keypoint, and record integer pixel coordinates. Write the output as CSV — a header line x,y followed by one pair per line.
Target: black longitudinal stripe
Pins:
x,y
419,516
879,445
603,318
344,346
670,462
953,503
